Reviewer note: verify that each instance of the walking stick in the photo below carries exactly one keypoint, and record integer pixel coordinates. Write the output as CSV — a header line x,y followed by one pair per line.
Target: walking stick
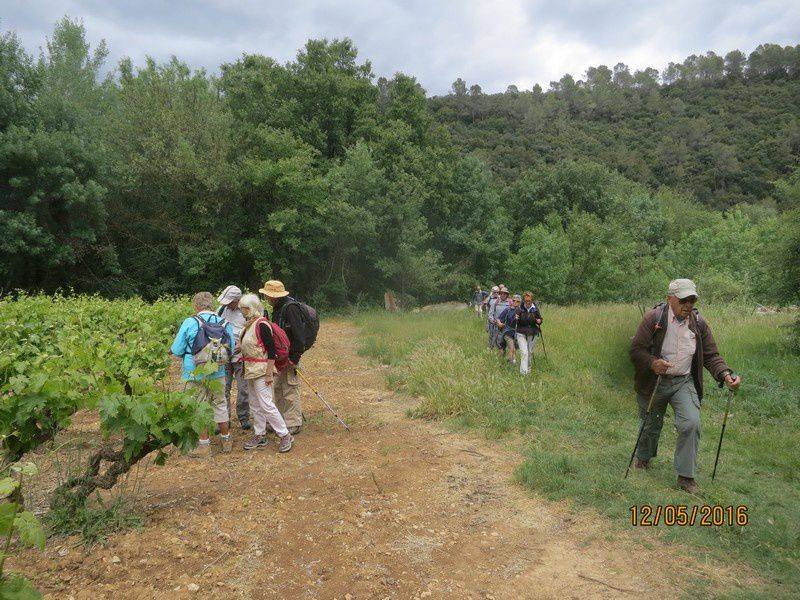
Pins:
x,y
541,335
641,429
328,406
722,433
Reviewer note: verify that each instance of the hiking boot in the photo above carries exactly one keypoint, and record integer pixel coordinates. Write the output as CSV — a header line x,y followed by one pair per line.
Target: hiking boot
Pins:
x,y
257,441
688,484
246,426
227,444
295,430
201,451
286,443
641,465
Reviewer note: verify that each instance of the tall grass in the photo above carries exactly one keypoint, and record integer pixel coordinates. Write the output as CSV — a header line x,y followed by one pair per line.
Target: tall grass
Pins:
x,y
576,417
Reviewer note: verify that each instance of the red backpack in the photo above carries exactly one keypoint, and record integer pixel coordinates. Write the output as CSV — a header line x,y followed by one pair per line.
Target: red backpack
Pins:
x,y
281,342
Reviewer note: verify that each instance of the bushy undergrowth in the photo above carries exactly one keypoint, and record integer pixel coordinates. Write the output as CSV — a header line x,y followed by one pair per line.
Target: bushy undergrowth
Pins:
x,y
575,415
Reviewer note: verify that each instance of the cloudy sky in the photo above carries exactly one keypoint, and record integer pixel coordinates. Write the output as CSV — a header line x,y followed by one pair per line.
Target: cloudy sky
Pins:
x,y
490,42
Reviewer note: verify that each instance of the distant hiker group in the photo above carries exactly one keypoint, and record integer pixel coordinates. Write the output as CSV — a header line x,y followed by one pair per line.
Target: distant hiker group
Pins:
x,y
512,323
240,342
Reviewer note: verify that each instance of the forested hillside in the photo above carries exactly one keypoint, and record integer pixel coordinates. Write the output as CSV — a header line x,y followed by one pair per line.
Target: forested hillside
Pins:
x,y
162,179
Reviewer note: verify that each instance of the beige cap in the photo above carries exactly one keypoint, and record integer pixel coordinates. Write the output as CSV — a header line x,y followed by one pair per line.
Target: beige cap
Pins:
x,y
274,289
682,288
229,294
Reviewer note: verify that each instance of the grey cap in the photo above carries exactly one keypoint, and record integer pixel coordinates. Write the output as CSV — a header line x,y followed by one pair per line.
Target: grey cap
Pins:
x,y
682,288
229,294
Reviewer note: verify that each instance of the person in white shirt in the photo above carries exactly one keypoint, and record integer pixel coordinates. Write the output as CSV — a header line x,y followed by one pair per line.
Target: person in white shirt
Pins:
x,y
229,311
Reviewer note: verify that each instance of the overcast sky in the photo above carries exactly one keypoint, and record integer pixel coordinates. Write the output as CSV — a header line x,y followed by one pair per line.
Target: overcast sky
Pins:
x,y
492,43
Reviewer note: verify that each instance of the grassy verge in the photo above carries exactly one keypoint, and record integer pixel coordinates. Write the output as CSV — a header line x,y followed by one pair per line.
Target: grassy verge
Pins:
x,y
576,415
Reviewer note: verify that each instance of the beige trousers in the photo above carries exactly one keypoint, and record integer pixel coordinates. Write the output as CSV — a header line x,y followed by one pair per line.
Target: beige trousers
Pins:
x,y
287,397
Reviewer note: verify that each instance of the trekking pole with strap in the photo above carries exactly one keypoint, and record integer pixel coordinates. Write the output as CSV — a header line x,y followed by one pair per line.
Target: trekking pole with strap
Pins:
x,y
724,423
641,429
328,406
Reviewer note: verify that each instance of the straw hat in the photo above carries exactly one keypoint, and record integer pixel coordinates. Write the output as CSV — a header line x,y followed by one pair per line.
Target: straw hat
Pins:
x,y
274,289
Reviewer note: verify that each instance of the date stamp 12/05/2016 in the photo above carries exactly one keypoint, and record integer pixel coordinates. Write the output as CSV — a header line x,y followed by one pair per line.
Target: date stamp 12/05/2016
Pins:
x,y
683,515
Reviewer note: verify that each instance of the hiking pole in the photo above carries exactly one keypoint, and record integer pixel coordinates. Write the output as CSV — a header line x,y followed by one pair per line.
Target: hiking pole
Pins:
x,y
641,429
328,406
541,335
724,422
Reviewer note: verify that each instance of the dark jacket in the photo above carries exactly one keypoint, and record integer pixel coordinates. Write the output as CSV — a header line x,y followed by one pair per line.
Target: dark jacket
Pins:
x,y
289,317
527,325
646,347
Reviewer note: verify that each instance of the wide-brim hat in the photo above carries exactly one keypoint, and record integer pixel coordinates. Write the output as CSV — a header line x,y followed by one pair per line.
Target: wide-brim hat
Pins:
x,y
274,289
229,294
682,288
503,289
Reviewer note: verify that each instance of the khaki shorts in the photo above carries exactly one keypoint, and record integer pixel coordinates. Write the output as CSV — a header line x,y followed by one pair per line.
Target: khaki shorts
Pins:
x,y
212,392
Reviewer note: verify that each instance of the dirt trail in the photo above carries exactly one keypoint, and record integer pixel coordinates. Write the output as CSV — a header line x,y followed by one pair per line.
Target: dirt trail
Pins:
x,y
396,509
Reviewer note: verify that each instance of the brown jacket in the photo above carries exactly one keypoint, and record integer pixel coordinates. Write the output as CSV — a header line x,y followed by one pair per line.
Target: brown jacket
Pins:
x,y
646,347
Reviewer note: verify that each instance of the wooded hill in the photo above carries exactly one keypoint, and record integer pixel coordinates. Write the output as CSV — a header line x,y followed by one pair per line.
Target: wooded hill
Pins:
x,y
721,129
162,179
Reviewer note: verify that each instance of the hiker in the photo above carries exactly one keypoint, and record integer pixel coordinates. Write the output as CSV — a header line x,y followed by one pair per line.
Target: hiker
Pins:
x,y
229,310
478,297
258,356
508,324
528,321
207,388
288,315
495,309
674,342
491,326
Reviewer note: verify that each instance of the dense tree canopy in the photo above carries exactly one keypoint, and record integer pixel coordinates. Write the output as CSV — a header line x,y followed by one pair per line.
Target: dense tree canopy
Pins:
x,y
162,179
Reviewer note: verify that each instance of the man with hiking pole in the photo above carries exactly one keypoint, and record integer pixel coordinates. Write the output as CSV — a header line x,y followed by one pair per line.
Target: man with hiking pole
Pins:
x,y
669,351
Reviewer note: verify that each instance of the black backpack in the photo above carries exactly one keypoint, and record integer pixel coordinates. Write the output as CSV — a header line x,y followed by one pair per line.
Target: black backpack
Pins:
x,y
310,320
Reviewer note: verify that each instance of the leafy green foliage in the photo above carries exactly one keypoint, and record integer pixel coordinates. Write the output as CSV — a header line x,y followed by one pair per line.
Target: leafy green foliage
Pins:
x,y
58,354
155,420
25,524
162,179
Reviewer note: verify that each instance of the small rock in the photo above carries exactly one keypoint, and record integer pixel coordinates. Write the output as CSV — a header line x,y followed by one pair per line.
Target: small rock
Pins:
x,y
348,597
116,559
193,587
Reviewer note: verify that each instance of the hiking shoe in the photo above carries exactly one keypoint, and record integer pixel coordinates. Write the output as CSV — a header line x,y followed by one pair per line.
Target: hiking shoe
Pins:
x,y
201,451
688,484
641,465
286,443
227,444
257,441
246,426
295,430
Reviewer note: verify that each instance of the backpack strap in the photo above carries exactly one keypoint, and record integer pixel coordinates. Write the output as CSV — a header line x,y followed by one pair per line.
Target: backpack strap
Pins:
x,y
199,327
661,309
256,324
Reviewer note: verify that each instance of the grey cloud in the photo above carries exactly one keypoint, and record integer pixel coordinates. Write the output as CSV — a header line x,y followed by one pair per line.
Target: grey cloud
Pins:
x,y
489,43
